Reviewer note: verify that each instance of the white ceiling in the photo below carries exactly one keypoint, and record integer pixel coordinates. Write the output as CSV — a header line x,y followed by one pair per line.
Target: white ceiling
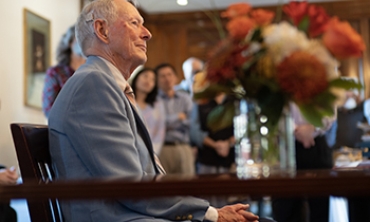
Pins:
x,y
167,6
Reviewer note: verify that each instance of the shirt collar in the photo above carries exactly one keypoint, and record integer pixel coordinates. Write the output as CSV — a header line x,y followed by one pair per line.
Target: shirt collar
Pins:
x,y
121,81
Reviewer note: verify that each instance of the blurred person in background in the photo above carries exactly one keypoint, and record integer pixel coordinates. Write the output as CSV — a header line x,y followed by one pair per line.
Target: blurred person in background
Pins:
x,y
351,119
216,152
190,67
144,86
177,155
69,57
313,151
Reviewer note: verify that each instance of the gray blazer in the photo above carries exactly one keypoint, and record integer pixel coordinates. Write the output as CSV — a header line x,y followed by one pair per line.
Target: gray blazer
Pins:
x,y
94,133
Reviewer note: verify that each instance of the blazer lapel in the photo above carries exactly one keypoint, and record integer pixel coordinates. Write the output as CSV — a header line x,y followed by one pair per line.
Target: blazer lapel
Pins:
x,y
145,136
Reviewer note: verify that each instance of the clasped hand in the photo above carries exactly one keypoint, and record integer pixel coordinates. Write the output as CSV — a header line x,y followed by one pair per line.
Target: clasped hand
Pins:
x,y
304,133
8,176
236,213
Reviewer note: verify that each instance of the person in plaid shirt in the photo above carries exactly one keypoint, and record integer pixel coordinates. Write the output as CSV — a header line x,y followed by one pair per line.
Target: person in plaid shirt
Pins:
x,y
69,58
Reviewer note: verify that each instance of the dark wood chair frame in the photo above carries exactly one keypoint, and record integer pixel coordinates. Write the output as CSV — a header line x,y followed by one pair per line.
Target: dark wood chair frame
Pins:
x,y
32,147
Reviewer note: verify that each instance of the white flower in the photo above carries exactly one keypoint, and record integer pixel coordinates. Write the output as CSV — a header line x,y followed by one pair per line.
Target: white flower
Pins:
x,y
282,40
252,48
323,55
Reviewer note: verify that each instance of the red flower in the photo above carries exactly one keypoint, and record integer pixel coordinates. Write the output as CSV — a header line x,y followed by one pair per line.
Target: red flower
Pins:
x,y
296,11
225,62
262,17
239,27
318,20
342,40
235,10
302,75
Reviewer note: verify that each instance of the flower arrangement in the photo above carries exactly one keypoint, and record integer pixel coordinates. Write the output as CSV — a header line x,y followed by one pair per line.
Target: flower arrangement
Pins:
x,y
277,63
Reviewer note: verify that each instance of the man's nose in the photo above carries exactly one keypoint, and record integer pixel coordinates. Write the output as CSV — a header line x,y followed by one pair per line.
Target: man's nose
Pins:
x,y
146,34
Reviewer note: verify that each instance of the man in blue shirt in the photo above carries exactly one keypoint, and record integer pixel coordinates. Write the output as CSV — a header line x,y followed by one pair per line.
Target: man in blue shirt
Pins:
x,y
177,155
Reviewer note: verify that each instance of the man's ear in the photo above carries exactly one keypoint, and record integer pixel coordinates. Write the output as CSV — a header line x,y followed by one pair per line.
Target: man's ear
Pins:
x,y
101,30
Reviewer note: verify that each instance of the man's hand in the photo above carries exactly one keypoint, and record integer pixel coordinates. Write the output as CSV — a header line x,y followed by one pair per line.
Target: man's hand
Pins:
x,y
8,176
222,147
305,134
182,116
236,213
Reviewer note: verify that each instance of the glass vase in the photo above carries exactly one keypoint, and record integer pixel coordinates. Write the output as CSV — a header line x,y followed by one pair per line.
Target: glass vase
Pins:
x,y
262,148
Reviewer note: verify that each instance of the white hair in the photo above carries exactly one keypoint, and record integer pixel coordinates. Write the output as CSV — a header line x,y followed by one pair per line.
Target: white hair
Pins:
x,y
187,67
98,9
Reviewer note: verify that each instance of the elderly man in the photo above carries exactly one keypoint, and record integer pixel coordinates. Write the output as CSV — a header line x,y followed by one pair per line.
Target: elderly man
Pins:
x,y
94,128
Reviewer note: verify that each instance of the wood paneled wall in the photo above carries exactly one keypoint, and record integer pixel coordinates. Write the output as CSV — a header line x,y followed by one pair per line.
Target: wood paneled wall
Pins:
x,y
178,36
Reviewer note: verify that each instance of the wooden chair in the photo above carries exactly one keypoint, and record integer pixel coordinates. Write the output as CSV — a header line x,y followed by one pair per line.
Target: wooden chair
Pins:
x,y
32,147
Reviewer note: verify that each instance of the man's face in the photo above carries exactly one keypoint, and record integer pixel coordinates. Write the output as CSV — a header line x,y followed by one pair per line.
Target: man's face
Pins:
x,y
128,36
145,82
166,78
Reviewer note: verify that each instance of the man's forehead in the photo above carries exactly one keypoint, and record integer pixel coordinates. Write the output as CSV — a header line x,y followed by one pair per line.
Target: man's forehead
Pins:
x,y
129,11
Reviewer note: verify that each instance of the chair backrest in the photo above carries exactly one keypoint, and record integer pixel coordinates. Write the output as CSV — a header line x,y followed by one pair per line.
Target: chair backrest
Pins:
x,y
32,147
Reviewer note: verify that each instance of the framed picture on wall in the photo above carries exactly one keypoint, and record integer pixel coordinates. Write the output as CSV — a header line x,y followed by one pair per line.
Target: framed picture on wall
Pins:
x,y
84,2
36,56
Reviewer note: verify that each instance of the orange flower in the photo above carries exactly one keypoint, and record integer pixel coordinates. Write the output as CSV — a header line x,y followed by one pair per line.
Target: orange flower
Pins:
x,y
239,27
318,20
216,71
225,62
342,40
262,17
296,11
302,75
235,10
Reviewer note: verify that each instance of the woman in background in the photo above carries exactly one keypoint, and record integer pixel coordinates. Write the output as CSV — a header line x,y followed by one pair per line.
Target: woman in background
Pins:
x,y
69,58
144,86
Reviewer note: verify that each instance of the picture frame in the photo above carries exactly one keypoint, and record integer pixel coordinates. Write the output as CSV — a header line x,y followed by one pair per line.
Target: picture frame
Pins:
x,y
37,59
83,3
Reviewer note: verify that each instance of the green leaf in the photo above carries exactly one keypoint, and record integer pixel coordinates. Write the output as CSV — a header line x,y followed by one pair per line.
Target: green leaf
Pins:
x,y
346,84
304,24
311,114
321,106
324,103
257,35
221,117
325,111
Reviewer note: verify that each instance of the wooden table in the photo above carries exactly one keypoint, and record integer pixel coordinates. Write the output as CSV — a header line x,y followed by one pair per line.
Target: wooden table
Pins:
x,y
348,182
